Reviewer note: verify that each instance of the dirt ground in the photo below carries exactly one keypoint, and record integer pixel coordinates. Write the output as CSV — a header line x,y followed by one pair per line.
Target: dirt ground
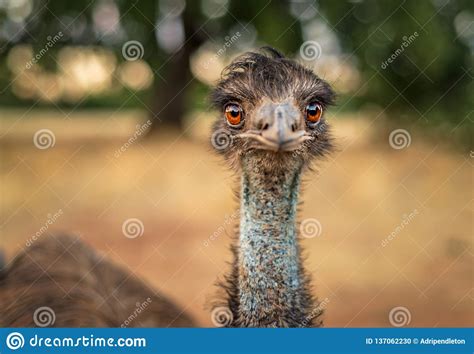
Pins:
x,y
396,225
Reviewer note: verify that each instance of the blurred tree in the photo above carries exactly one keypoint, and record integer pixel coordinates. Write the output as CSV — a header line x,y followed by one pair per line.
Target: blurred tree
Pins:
x,y
169,31
171,63
415,57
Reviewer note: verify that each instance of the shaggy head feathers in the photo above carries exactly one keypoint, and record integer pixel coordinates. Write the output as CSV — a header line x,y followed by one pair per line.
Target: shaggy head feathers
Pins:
x,y
253,79
267,285
253,75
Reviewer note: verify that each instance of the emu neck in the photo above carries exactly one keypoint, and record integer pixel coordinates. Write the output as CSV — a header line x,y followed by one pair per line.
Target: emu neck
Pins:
x,y
270,282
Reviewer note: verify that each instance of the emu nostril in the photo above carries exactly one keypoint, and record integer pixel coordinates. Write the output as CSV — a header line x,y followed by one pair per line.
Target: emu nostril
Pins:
x,y
293,127
262,125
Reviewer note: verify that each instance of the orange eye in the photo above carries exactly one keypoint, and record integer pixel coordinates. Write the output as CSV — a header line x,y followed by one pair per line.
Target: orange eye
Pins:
x,y
314,112
233,114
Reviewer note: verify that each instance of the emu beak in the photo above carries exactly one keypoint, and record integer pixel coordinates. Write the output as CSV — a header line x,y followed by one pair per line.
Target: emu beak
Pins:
x,y
277,128
280,130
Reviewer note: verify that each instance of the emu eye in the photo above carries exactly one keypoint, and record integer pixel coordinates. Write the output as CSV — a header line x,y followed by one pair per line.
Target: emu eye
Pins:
x,y
233,114
314,112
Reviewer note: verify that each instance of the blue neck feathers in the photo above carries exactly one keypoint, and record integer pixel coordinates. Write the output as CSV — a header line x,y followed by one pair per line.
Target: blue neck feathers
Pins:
x,y
271,285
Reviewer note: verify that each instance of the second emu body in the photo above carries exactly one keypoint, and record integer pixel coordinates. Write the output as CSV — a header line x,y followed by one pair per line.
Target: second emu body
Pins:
x,y
270,127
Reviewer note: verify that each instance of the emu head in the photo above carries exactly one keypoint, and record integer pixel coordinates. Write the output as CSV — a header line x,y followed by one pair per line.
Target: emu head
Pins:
x,y
272,112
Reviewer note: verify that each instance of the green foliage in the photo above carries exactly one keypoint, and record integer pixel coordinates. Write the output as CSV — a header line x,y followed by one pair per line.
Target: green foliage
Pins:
x,y
428,80
431,80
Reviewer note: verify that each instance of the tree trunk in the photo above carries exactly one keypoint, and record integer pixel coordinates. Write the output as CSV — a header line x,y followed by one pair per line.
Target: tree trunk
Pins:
x,y
175,78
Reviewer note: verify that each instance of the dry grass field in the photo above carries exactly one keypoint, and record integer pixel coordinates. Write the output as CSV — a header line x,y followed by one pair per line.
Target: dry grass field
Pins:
x,y
396,225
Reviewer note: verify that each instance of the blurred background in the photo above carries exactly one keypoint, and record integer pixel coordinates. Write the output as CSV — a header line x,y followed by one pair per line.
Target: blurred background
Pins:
x,y
104,123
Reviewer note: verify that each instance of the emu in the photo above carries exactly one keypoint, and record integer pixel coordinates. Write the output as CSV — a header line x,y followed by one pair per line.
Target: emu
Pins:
x,y
271,126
